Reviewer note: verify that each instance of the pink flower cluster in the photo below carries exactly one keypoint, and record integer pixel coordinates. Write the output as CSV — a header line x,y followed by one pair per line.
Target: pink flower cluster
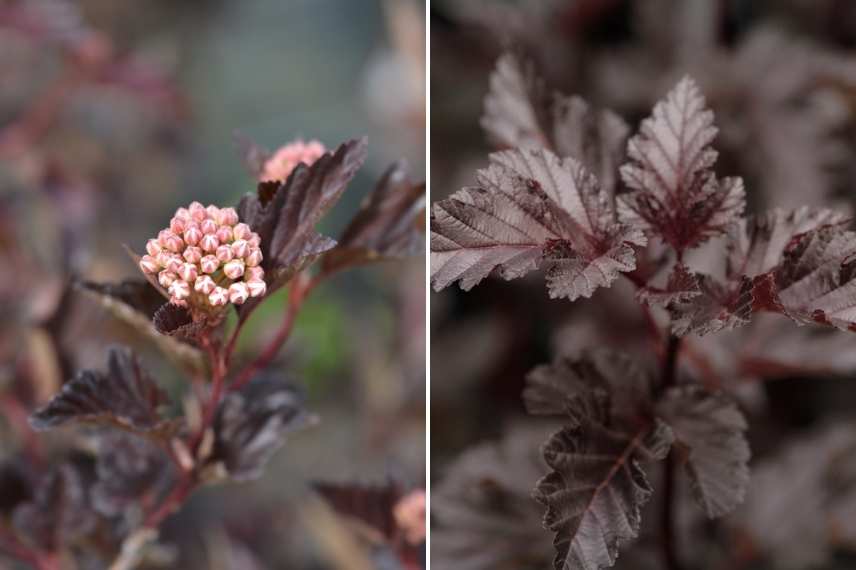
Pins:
x,y
286,159
206,258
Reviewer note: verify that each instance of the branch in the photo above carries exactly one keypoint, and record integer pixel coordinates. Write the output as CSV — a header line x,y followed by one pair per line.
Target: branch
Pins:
x,y
667,522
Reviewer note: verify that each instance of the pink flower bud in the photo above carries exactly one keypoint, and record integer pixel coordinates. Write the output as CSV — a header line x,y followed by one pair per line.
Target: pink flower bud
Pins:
x,y
213,212
224,234
192,235
197,211
240,248
208,226
224,253
204,284
228,217
238,293
166,278
234,269
254,257
257,287
153,247
174,243
163,258
219,296
177,225
173,263
192,254
177,302
183,213
209,243
242,231
179,289
255,240
162,235
149,264
188,272
209,264
254,274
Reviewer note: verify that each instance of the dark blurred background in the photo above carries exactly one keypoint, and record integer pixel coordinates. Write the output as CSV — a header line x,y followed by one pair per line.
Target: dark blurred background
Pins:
x,y
781,78
112,115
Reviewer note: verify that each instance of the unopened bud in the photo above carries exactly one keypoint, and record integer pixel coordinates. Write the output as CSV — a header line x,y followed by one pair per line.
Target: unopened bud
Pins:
x,y
254,274
254,257
192,235
153,247
188,272
166,278
183,213
173,263
209,243
228,216
192,254
208,226
213,212
234,269
179,289
219,296
256,287
177,225
224,253
209,264
242,231
255,240
240,248
174,243
204,284
224,234
238,293
149,264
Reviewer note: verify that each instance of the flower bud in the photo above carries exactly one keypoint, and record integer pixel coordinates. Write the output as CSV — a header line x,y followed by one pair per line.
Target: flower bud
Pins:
x,y
197,211
192,235
179,289
177,302
177,225
228,217
174,243
204,284
173,263
188,272
209,243
238,293
213,212
242,231
208,226
240,248
254,257
192,254
224,253
256,287
166,278
219,296
224,234
209,264
254,274
234,269
149,264
183,213
255,240
153,247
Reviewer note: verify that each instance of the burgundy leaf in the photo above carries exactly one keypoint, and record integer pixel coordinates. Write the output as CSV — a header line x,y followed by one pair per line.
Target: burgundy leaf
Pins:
x,y
387,225
135,293
368,505
519,112
483,514
285,215
673,190
712,430
531,208
716,306
251,425
682,287
596,488
59,514
125,396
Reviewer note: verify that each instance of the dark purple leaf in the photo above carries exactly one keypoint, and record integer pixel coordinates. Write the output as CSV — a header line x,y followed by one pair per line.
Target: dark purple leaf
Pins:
x,y
711,429
531,209
135,293
124,395
251,425
285,215
674,192
59,514
369,505
387,225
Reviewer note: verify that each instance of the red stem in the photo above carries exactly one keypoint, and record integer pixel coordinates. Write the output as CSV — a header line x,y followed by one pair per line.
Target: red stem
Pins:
x,y
667,522
300,289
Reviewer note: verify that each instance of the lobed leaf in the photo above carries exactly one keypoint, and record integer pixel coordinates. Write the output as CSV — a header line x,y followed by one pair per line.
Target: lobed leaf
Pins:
x,y
285,214
125,396
596,488
58,514
712,430
531,208
674,192
251,425
387,225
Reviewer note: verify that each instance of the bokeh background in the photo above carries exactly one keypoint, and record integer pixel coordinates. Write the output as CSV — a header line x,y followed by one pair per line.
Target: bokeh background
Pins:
x,y
112,114
781,77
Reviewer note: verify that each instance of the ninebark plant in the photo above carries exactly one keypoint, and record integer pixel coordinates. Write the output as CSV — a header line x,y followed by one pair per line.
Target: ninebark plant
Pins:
x,y
148,457
575,197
